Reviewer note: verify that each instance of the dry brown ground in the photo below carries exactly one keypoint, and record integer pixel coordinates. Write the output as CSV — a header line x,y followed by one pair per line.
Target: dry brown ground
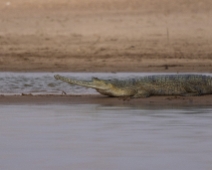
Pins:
x,y
111,36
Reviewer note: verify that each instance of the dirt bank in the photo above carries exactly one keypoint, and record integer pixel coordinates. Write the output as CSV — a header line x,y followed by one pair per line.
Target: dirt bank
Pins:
x,y
106,36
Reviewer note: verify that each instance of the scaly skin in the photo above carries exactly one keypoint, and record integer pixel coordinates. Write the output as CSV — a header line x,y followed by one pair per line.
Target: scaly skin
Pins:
x,y
183,85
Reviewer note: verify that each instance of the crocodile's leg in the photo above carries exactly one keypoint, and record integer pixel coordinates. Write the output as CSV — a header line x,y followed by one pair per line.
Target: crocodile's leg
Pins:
x,y
192,91
141,94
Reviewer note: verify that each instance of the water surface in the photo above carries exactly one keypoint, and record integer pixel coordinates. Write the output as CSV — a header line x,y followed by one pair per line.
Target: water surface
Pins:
x,y
94,137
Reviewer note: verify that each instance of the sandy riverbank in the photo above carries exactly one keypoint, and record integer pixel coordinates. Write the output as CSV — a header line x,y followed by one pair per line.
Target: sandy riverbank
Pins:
x,y
106,36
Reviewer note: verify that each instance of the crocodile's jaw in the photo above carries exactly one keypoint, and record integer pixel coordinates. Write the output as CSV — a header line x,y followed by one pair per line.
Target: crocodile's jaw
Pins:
x,y
95,83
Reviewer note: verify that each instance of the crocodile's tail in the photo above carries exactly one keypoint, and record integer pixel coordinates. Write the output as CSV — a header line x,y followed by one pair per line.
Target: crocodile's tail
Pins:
x,y
95,83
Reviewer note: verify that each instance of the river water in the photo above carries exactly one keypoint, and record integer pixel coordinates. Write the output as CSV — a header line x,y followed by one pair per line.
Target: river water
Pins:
x,y
94,136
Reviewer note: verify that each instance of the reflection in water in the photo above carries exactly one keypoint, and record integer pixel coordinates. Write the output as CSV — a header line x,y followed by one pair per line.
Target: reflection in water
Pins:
x,y
94,137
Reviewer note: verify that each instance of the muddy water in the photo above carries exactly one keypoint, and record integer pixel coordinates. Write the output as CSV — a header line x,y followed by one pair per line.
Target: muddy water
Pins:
x,y
44,83
94,137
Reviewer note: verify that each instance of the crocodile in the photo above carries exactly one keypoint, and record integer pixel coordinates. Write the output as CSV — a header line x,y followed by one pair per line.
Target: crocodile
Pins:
x,y
155,85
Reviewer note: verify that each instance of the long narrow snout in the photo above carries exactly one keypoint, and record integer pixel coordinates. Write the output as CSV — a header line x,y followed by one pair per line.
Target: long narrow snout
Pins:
x,y
89,84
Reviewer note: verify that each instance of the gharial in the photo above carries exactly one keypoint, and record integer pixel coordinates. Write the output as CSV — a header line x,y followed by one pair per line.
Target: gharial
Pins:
x,y
156,85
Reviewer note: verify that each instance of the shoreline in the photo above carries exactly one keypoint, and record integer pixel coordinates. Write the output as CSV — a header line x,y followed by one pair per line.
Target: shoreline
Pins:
x,y
151,69
160,101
